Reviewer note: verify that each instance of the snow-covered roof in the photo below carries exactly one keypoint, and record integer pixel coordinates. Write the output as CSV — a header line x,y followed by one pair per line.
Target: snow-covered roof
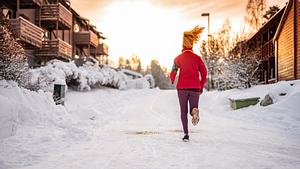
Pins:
x,y
131,73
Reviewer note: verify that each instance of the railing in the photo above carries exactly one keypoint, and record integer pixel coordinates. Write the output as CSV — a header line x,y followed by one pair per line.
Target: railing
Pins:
x,y
53,12
56,48
38,2
268,49
102,49
85,38
27,31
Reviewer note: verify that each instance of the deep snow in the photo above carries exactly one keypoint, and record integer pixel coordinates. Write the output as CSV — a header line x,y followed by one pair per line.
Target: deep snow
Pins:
x,y
109,129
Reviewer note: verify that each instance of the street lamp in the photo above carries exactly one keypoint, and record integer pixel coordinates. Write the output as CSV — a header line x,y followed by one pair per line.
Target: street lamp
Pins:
x,y
207,15
208,45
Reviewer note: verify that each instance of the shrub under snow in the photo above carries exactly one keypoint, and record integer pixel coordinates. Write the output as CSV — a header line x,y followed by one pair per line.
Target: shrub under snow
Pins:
x,y
82,78
13,62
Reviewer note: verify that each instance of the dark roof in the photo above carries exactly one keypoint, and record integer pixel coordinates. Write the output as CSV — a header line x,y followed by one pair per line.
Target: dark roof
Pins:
x,y
273,19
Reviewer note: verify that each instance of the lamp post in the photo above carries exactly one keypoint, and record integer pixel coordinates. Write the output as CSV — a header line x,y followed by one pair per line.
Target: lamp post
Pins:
x,y
208,19
208,45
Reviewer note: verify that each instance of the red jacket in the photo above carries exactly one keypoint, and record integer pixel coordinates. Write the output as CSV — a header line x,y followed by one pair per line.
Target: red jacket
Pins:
x,y
191,69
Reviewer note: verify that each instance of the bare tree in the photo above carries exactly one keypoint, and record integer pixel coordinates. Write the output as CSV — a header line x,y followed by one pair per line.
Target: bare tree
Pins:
x,y
214,52
254,13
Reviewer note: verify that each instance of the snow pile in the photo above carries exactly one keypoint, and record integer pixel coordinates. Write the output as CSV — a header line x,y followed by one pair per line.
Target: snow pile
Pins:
x,y
83,78
8,117
22,106
139,83
150,79
31,125
284,113
280,90
242,96
287,95
135,80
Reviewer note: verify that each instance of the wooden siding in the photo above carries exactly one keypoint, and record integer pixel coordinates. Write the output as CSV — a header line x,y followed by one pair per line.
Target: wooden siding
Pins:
x,y
298,37
56,48
86,38
286,49
50,13
27,31
267,49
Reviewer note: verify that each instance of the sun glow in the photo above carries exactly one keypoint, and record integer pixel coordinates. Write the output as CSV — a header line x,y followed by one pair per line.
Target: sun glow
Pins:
x,y
141,28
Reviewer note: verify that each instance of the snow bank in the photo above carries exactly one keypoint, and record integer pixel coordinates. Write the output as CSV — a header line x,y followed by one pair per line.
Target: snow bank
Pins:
x,y
31,125
22,106
283,90
8,117
284,113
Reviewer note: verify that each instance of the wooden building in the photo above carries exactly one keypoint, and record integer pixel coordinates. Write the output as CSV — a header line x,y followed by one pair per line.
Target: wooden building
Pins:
x,y
262,43
87,41
277,45
287,43
46,30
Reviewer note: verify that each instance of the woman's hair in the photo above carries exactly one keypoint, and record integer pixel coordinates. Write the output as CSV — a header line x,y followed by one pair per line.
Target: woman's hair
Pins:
x,y
191,37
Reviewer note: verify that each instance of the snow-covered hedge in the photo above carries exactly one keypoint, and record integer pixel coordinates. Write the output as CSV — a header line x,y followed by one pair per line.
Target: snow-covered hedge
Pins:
x,y
83,78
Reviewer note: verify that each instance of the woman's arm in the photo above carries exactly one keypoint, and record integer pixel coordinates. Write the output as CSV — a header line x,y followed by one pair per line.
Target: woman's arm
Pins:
x,y
203,72
174,71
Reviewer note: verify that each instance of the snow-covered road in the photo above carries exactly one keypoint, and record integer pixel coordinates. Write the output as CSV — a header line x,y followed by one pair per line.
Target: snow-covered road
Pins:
x,y
141,129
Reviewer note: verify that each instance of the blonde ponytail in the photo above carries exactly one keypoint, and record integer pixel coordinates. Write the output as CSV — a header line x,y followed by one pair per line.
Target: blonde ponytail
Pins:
x,y
191,37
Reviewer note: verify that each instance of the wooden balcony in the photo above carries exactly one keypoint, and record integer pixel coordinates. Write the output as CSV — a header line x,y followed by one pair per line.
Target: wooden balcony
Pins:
x,y
51,13
86,38
27,32
56,48
101,49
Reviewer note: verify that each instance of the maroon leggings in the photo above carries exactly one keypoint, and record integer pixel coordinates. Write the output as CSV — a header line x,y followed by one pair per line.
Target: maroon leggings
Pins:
x,y
184,97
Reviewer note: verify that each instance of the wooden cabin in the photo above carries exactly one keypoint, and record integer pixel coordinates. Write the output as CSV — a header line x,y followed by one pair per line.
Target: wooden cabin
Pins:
x,y
287,43
47,30
277,45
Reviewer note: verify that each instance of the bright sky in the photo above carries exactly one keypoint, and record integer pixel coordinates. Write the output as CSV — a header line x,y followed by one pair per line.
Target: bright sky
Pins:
x,y
153,28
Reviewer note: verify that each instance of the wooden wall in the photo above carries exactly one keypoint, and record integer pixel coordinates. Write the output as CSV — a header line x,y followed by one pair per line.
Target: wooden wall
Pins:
x,y
30,13
286,48
298,38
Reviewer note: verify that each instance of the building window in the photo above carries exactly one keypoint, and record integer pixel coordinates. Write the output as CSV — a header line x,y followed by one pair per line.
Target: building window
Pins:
x,y
76,28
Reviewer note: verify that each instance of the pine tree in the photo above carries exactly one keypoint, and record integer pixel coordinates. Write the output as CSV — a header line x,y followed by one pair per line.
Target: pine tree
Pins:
x,y
160,78
13,62
271,12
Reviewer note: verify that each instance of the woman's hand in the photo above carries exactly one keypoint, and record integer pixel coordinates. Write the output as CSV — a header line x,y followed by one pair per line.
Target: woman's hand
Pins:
x,y
200,92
